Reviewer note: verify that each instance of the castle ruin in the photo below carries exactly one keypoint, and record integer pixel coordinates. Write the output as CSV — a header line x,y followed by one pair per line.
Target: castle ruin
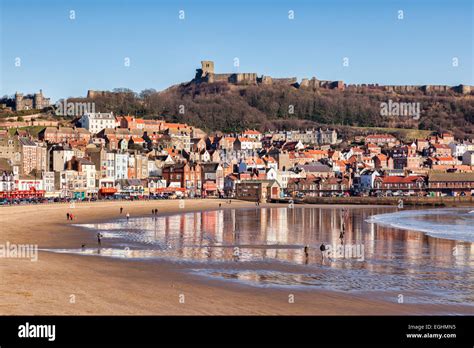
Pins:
x,y
207,74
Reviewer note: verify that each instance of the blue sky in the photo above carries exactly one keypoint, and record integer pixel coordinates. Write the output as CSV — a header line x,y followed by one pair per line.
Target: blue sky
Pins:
x,y
67,57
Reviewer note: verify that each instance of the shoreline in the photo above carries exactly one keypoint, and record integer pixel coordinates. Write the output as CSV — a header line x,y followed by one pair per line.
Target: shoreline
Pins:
x,y
425,202
110,286
428,231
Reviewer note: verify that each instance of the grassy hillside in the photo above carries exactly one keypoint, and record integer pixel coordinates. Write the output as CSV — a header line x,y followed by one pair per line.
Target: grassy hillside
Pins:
x,y
220,106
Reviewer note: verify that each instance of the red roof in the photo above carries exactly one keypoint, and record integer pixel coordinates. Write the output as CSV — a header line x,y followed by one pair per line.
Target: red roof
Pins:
x,y
175,125
254,132
444,158
399,179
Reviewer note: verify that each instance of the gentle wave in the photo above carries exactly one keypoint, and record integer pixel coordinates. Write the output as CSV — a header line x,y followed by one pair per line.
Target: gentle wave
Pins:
x,y
453,223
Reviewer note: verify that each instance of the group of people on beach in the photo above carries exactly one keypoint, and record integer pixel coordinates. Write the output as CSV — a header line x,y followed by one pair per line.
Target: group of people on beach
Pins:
x,y
69,216
228,201
322,247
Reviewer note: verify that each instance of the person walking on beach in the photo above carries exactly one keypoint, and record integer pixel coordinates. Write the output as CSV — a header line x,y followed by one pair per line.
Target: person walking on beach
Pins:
x,y
128,216
99,236
67,216
71,217
121,210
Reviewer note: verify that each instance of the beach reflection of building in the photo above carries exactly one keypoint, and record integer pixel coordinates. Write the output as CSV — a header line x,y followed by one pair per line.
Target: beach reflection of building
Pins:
x,y
369,238
173,233
277,231
219,231
263,226
442,250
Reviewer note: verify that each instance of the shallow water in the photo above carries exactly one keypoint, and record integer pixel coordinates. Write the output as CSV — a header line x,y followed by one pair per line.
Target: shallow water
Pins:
x,y
265,247
447,223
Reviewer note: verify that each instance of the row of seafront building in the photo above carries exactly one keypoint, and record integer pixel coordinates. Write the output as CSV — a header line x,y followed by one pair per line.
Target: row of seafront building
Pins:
x,y
102,154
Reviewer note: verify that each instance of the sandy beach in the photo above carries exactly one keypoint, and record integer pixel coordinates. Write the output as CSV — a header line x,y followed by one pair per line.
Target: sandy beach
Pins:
x,y
67,284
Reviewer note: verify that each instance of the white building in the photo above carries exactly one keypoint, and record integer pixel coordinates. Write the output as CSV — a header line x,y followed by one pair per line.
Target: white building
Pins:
x,y
89,171
283,176
48,181
7,181
107,178
94,122
458,149
252,134
272,174
241,144
121,166
27,182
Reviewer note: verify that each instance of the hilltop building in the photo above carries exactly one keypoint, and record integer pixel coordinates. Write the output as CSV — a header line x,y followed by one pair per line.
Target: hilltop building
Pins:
x,y
94,122
25,102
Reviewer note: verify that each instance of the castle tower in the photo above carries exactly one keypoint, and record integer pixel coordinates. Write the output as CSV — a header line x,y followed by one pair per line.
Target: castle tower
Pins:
x,y
38,100
207,67
18,101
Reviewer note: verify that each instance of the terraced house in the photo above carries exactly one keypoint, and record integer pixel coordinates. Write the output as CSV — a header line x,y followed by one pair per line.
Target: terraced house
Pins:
x,y
452,184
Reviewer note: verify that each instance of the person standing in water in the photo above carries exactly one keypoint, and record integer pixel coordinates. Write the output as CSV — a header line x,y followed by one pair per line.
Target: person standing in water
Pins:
x,y
99,236
306,253
128,216
323,249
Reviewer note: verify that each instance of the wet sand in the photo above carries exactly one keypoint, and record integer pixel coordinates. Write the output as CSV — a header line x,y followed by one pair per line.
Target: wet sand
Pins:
x,y
84,285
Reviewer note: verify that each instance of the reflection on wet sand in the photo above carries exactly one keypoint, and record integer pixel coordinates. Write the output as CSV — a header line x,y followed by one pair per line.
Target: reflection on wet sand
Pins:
x,y
266,247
